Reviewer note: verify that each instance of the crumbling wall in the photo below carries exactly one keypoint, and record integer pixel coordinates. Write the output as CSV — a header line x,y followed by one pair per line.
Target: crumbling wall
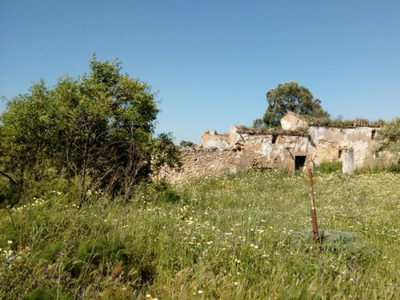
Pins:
x,y
330,142
273,151
292,121
294,148
211,139
203,163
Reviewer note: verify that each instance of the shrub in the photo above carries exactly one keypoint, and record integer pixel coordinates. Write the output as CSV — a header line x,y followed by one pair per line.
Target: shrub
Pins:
x,y
329,167
42,294
187,144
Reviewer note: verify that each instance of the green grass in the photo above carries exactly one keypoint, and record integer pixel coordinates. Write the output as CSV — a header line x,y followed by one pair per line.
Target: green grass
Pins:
x,y
234,237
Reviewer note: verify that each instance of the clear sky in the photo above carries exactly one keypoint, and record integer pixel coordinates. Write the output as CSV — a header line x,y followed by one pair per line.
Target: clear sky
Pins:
x,y
213,60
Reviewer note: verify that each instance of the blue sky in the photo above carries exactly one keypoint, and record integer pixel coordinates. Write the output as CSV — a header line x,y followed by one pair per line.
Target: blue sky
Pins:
x,y
213,61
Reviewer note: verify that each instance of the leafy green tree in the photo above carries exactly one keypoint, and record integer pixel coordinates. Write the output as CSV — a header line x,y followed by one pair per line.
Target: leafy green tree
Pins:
x,y
26,134
97,130
291,97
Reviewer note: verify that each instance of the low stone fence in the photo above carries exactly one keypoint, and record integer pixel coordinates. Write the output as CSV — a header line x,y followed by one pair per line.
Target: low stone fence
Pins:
x,y
202,163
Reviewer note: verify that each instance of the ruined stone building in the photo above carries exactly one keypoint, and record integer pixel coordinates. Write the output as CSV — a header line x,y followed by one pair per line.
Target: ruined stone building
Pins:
x,y
297,145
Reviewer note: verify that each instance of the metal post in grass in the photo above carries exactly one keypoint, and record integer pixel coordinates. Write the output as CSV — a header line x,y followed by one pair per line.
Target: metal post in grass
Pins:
x,y
313,210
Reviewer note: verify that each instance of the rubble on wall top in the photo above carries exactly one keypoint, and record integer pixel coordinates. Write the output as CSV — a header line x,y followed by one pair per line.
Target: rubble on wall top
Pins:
x,y
215,133
295,121
271,131
346,124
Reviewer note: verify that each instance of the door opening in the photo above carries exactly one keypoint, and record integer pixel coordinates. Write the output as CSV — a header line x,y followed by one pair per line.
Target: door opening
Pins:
x,y
299,162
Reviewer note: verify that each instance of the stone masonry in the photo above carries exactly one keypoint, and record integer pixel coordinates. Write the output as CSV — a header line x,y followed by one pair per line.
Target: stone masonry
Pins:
x,y
298,146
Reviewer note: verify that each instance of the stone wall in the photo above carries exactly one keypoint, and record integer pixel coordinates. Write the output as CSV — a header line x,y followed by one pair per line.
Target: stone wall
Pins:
x,y
299,146
211,139
268,151
292,121
330,142
203,163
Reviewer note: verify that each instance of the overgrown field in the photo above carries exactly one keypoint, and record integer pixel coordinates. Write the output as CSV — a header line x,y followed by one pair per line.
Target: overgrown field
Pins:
x,y
234,237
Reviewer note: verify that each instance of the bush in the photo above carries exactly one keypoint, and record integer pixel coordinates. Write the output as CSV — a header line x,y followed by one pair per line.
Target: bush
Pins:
x,y
187,144
395,168
329,167
42,294
97,130
9,194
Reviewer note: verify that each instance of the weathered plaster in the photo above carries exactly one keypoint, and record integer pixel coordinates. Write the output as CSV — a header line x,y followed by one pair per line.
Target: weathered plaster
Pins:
x,y
243,149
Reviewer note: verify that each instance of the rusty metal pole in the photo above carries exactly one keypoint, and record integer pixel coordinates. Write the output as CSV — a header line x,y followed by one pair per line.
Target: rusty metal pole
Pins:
x,y
313,210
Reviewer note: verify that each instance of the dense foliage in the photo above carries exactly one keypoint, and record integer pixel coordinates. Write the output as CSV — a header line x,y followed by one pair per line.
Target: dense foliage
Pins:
x,y
96,131
235,237
290,97
388,138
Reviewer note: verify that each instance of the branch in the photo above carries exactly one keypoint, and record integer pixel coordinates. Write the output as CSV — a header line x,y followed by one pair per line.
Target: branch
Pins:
x,y
9,178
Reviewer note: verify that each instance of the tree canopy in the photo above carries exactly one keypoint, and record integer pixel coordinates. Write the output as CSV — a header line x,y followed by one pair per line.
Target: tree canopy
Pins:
x,y
97,129
290,97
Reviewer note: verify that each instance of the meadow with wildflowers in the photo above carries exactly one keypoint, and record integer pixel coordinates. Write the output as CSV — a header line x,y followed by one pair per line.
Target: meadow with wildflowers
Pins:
x,y
233,237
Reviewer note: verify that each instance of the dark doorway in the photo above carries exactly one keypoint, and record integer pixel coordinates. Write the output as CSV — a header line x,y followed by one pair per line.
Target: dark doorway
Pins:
x,y
299,162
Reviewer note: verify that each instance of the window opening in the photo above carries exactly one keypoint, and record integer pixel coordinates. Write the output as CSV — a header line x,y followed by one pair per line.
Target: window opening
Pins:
x,y
373,132
340,153
274,137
